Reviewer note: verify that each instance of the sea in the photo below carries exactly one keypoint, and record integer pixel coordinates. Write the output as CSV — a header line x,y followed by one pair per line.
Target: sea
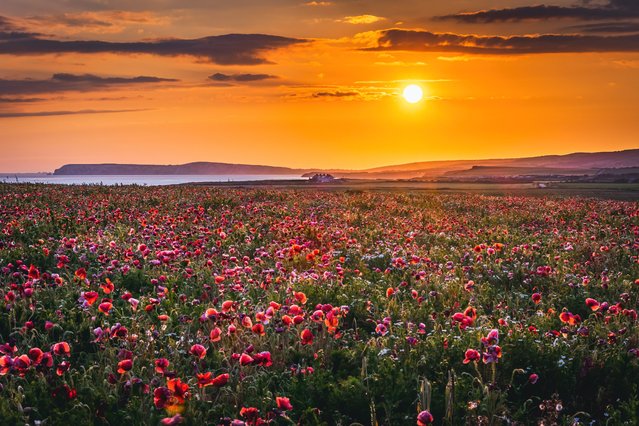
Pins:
x,y
145,180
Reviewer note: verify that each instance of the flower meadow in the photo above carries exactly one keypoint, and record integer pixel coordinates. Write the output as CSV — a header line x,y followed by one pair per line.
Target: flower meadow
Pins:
x,y
221,306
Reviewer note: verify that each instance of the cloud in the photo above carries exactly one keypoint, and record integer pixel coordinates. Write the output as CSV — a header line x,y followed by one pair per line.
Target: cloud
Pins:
x,y
101,22
72,83
9,30
54,113
614,9
318,3
361,19
337,94
243,78
20,100
426,41
605,27
230,49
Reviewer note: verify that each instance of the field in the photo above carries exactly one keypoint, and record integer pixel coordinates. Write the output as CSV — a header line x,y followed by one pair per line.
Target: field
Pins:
x,y
236,306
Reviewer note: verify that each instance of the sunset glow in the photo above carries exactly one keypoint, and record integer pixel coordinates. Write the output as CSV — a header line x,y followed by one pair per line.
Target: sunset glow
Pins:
x,y
268,82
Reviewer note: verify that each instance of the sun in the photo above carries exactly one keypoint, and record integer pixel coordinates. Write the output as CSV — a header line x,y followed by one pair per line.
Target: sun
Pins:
x,y
413,93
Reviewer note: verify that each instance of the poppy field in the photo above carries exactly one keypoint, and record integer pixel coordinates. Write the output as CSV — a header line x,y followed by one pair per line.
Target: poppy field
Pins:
x,y
226,306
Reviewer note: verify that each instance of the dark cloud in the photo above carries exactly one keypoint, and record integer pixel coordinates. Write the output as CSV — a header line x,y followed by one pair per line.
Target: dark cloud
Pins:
x,y
337,94
71,83
605,27
230,49
241,78
10,31
414,40
614,9
4,100
94,79
54,113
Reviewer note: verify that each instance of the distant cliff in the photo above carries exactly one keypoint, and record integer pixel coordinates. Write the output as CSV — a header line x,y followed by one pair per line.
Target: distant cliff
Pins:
x,y
200,168
582,163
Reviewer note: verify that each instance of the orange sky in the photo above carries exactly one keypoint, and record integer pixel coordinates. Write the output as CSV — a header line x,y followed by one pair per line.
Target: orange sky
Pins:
x,y
325,92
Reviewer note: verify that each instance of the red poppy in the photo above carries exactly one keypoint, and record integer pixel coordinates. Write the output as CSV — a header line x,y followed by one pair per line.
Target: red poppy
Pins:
x,y
300,297
227,305
61,349
198,351
180,390
90,297
259,329
471,355
22,363
81,274
246,359
283,403
62,368
36,355
307,337
107,287
34,274
105,307
263,359
220,380
161,364
125,365
390,291
161,397
249,413
592,304
204,379
247,322
216,334
536,297
6,362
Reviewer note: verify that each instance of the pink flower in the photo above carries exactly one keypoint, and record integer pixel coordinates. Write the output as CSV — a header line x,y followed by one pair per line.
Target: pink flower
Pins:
x,y
424,418
283,403
198,351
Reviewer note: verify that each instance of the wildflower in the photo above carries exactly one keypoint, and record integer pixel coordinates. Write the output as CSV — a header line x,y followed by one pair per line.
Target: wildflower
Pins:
x,y
283,403
177,419
107,287
81,274
471,355
533,378
300,297
492,354
536,297
61,349
33,274
592,304
215,335
6,362
424,418
246,359
263,359
161,364
105,307
307,337
198,351
90,297
125,365
381,329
